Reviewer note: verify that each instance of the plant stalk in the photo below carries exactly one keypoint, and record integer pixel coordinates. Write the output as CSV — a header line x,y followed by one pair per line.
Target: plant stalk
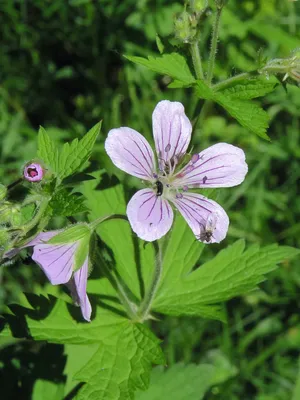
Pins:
x,y
94,224
150,294
196,57
214,45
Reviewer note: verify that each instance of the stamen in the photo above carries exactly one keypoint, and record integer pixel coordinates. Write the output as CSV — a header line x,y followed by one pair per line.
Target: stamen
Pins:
x,y
204,179
195,158
185,188
179,195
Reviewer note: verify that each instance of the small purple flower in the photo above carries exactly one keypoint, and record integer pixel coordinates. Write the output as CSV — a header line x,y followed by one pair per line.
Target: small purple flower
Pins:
x,y
33,172
149,211
57,261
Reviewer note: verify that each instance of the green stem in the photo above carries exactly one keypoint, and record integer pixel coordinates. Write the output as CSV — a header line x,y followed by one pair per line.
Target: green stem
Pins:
x,y
35,220
116,284
15,183
196,57
214,45
149,297
229,81
94,224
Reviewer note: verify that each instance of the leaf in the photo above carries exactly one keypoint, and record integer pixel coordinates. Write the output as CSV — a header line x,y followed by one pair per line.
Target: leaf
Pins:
x,y
47,390
232,272
173,65
249,89
121,367
247,113
48,151
72,156
67,204
181,381
123,360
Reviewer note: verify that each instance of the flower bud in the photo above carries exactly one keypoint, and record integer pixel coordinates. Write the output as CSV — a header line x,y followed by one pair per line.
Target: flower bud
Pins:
x,y
10,214
4,237
184,27
200,5
3,192
33,172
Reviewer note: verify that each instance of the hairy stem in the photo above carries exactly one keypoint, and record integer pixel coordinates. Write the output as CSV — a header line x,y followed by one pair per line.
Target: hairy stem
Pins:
x,y
196,57
117,285
150,294
214,45
98,221
229,81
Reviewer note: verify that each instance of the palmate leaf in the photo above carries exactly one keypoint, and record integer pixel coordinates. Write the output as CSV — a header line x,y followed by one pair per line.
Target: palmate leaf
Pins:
x,y
232,272
122,356
72,156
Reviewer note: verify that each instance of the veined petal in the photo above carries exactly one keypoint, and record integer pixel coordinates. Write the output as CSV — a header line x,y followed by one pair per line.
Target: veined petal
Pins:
x,y
221,165
130,152
77,286
150,216
171,130
203,215
56,261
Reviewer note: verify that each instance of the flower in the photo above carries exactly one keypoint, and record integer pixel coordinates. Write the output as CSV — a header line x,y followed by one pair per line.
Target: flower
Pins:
x,y
149,211
62,262
33,172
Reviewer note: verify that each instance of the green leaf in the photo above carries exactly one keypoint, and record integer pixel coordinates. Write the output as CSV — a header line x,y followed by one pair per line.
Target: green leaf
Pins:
x,y
67,204
72,156
71,234
47,390
173,65
122,366
247,113
123,359
48,151
250,89
232,272
185,381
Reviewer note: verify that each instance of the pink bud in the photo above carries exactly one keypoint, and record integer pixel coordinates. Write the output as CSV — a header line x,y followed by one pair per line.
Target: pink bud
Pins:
x,y
33,172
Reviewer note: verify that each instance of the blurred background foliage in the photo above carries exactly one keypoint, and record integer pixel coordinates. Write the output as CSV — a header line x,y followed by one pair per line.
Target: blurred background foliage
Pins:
x,y
62,67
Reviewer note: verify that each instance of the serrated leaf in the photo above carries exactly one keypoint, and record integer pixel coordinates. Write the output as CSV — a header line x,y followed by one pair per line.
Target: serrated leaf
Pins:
x,y
121,367
249,89
48,151
72,156
67,204
232,272
173,65
123,360
75,154
247,113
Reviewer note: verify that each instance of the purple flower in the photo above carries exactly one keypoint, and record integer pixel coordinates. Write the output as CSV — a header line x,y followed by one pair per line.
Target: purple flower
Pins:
x,y
149,211
57,261
33,172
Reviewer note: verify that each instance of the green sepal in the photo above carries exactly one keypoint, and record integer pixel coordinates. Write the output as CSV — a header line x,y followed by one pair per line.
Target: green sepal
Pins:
x,y
72,234
82,253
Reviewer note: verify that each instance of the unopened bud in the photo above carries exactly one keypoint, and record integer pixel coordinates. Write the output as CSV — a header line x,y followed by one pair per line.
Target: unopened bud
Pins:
x,y
4,237
10,214
200,5
185,27
33,172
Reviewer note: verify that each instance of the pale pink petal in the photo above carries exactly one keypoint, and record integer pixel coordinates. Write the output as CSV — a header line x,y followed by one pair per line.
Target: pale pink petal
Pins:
x,y
55,260
40,238
150,216
221,165
130,152
201,213
171,130
77,286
